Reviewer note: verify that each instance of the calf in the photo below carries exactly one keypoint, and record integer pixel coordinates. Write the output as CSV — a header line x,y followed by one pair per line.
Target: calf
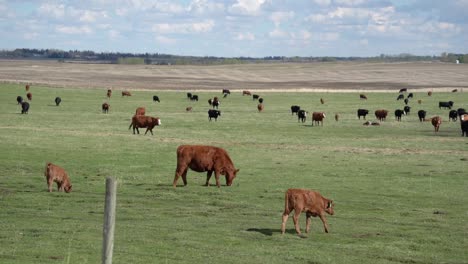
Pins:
x,y
57,101
295,109
453,114
204,158
140,121
421,115
363,96
19,99
436,121
188,109
400,97
398,114
407,109
126,93
301,116
318,117
363,113
213,114
381,114
24,107
140,111
194,98
246,93
109,93
54,173
105,108
446,105
255,97
27,87
156,98
29,96
308,201
260,107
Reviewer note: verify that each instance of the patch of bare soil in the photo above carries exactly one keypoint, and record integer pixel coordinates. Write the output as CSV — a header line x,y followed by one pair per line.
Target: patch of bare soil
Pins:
x,y
306,77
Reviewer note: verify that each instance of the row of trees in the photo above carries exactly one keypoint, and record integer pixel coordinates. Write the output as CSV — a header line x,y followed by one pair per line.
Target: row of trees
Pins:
x,y
165,59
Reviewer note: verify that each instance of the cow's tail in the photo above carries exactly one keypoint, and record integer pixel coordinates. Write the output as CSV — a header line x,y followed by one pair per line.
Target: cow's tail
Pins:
x,y
130,125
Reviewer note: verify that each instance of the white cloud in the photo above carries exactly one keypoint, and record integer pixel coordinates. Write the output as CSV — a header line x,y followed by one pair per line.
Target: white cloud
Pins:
x,y
165,40
52,10
91,16
304,34
30,35
247,7
322,2
245,36
364,42
329,36
278,33
113,34
279,17
350,2
205,7
73,29
184,28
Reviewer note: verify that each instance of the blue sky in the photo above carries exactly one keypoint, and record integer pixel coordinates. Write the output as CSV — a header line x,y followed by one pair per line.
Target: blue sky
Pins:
x,y
254,28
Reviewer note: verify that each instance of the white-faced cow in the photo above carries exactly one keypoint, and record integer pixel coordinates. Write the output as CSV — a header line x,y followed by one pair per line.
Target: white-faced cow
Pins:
x,y
301,116
213,114
407,109
318,117
204,158
141,121
308,201
399,113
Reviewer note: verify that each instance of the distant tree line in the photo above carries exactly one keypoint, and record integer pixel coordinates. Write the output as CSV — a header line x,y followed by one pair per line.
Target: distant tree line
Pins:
x,y
166,59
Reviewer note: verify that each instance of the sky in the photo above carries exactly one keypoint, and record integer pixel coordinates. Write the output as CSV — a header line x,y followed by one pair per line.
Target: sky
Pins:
x,y
238,28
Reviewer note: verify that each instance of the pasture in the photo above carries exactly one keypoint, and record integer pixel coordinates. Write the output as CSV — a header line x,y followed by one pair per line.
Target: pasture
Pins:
x,y
399,189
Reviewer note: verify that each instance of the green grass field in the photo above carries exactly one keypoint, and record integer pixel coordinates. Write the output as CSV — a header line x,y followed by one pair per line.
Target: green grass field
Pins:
x,y
400,190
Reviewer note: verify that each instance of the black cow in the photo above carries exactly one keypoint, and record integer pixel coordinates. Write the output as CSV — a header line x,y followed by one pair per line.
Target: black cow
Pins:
x,y
453,114
19,99
446,105
406,101
400,97
398,114
363,113
464,128
421,115
156,99
24,107
295,109
407,109
461,111
410,95
403,90
194,97
58,100
189,95
260,100
301,116
255,96
213,114
226,92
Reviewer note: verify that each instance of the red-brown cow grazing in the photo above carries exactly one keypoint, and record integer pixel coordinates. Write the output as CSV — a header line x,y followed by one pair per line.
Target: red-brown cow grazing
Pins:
x,y
204,158
260,107
140,111
436,121
318,117
109,93
141,121
105,108
310,202
29,95
27,87
57,174
246,93
125,93
381,114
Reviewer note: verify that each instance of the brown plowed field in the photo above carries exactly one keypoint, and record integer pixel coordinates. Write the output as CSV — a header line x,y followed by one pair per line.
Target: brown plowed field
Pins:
x,y
329,77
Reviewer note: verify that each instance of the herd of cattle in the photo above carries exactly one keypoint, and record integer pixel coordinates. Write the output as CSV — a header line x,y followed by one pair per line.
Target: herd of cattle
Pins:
x,y
216,160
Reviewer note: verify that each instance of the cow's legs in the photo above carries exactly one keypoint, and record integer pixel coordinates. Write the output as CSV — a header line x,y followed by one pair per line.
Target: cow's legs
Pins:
x,y
308,221
296,215
208,176
50,182
184,176
325,224
59,187
285,219
180,171
150,130
217,178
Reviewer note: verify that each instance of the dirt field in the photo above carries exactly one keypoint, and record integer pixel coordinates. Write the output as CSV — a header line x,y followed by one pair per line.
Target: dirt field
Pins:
x,y
327,77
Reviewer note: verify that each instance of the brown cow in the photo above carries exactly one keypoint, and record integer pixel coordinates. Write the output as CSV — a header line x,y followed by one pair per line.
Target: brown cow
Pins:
x,y
141,121
188,109
260,107
318,117
109,93
381,114
105,108
322,101
140,111
246,93
436,121
429,93
29,95
310,202
57,174
204,158
126,93
27,87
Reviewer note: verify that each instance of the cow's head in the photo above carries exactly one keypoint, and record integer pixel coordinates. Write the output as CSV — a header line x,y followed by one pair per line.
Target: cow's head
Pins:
x,y
329,207
68,188
230,175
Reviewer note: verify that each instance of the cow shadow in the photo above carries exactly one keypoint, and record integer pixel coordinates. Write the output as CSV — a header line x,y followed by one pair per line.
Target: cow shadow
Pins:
x,y
269,231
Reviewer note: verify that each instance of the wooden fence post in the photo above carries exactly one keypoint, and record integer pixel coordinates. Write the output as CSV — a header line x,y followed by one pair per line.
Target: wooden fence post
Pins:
x,y
109,221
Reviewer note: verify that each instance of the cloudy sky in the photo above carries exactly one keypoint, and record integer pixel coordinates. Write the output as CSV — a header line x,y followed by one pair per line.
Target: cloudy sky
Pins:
x,y
232,28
